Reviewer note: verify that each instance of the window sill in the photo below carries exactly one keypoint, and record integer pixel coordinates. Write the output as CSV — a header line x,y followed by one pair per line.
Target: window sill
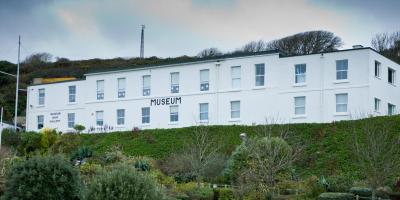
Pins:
x,y
378,77
300,85
341,114
120,126
234,120
341,81
259,88
392,84
173,123
235,90
377,111
203,121
145,125
40,106
299,116
72,103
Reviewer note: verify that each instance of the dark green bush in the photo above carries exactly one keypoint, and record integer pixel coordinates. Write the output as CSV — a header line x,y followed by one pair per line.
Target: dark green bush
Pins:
x,y
10,138
43,178
224,194
361,191
123,182
30,142
339,183
336,196
82,153
202,193
142,165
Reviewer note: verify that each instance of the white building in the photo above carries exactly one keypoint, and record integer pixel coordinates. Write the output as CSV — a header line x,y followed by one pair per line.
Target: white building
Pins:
x,y
243,89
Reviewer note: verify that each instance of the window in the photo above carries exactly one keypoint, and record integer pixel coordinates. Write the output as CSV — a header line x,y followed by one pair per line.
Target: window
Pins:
x,y
235,109
391,75
204,112
175,82
100,89
99,118
235,75
300,105
173,114
377,69
341,69
71,120
121,87
72,93
120,117
260,74
146,85
377,104
146,115
41,96
341,102
300,73
391,109
40,121
204,79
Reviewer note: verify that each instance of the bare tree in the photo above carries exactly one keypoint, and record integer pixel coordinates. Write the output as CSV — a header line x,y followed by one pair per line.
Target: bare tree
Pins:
x,y
210,52
38,58
307,43
377,152
388,45
254,46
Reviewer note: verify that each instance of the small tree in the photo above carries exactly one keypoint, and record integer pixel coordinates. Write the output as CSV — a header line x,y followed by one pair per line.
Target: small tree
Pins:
x,y
208,53
79,128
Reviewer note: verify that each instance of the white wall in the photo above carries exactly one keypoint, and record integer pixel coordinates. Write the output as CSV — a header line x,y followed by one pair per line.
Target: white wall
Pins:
x,y
274,100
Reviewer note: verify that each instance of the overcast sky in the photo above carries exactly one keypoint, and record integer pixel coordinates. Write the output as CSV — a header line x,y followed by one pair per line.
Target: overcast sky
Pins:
x,y
79,29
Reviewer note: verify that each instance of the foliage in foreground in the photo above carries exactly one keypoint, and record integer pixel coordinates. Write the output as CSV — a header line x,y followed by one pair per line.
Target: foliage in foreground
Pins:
x,y
43,178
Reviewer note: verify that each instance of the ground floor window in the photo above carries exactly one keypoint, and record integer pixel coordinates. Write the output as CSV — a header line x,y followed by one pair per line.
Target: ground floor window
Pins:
x,y
341,102
99,118
204,112
235,109
173,114
40,121
377,105
300,105
146,115
391,109
120,117
71,120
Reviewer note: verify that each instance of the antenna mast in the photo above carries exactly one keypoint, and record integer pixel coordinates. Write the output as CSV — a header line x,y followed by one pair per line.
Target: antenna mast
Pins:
x,y
142,43
17,87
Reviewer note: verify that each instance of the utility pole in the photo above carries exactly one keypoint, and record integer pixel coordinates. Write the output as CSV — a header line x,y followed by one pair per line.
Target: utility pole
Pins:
x,y
1,124
17,87
142,43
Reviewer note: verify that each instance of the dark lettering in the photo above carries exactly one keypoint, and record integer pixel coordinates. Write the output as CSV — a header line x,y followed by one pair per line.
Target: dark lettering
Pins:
x,y
167,101
152,101
178,99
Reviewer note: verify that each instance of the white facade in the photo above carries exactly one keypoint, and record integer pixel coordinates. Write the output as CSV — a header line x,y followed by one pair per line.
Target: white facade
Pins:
x,y
237,90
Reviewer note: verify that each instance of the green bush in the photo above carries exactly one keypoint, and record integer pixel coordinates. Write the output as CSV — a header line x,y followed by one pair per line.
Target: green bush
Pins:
x,y
30,142
43,178
79,128
361,191
123,182
339,183
67,144
10,138
224,194
335,196
48,138
201,193
82,153
312,187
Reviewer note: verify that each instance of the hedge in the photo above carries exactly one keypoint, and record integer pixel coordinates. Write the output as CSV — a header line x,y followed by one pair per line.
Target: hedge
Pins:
x,y
336,196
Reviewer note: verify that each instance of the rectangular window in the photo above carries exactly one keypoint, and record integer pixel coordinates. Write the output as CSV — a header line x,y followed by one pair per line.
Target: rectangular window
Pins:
x,y
72,93
236,76
300,105
146,115
341,102
120,116
377,104
146,85
204,79
391,75
300,73
235,109
175,82
71,120
100,89
341,69
99,118
40,121
391,109
377,69
121,87
260,74
204,112
41,96
173,114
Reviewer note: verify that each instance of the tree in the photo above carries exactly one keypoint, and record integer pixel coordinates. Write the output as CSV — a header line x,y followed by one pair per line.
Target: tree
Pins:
x,y
377,153
209,53
307,43
254,46
388,45
38,58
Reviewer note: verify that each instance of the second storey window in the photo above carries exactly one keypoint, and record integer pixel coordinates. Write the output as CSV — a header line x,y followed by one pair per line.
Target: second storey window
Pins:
x,y
121,87
391,109
173,113
72,94
341,102
146,85
236,76
204,79
235,109
300,105
341,69
40,121
204,112
377,105
391,75
146,115
99,118
260,74
377,69
100,89
120,117
300,73
41,97
71,120
175,82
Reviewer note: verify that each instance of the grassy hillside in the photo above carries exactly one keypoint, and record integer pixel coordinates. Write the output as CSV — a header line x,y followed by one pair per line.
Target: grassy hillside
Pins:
x,y
326,147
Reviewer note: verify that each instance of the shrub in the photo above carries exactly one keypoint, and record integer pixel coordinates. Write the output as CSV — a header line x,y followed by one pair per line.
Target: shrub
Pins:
x,y
67,144
30,142
48,138
312,187
201,193
79,128
223,194
114,155
339,183
361,191
10,138
43,178
333,196
142,165
81,154
123,182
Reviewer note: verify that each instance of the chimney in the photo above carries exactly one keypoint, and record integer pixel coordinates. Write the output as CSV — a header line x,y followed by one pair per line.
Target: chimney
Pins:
x,y
357,46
